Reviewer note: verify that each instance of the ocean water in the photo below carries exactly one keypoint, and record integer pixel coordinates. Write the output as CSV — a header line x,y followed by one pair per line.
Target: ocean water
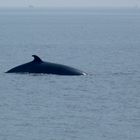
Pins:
x,y
103,105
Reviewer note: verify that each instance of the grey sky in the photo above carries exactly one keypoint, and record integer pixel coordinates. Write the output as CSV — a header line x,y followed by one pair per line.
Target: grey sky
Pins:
x,y
70,3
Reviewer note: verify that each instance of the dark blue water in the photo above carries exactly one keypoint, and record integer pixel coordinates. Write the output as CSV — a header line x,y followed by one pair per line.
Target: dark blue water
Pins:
x,y
104,105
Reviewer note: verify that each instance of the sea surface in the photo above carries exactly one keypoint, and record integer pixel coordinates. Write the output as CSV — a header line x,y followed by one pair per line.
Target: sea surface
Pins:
x,y
103,105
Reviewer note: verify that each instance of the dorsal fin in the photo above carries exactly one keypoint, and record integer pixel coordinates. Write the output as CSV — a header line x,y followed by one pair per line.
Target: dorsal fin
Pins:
x,y
36,59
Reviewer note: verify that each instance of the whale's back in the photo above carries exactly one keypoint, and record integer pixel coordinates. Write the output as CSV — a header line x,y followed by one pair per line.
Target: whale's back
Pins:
x,y
39,66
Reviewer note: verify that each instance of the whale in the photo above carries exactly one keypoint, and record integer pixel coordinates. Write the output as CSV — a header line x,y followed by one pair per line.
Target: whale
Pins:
x,y
40,66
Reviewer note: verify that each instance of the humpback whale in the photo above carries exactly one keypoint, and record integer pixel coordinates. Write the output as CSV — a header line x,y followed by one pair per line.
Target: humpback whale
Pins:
x,y
40,66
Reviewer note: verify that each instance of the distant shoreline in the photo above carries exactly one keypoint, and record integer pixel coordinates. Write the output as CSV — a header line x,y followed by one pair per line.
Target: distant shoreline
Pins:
x,y
71,8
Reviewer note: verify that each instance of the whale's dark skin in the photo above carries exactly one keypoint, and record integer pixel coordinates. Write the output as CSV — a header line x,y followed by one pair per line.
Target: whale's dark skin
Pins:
x,y
39,66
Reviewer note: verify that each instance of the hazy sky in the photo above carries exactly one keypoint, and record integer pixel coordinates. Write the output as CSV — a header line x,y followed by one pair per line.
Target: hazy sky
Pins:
x,y
70,3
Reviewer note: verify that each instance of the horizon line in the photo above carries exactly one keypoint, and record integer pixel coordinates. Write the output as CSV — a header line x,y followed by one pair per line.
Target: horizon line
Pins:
x,y
69,7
